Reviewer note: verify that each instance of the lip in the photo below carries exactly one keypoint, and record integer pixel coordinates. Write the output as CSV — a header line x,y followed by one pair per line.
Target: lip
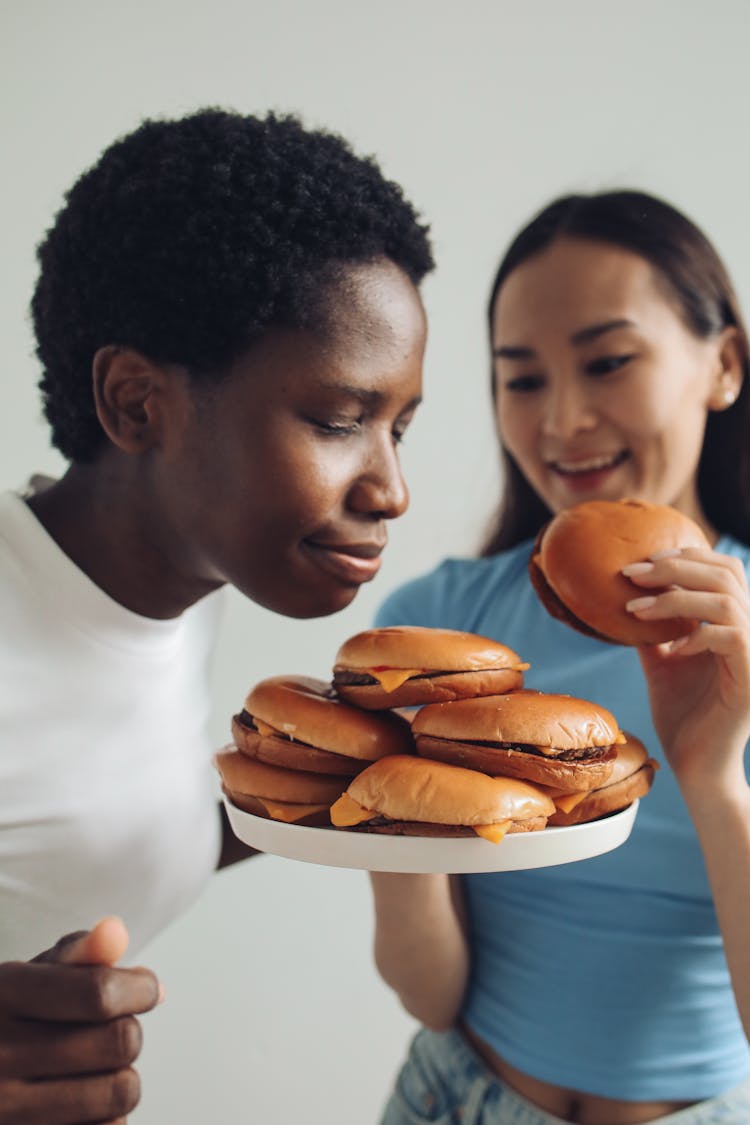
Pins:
x,y
350,563
587,473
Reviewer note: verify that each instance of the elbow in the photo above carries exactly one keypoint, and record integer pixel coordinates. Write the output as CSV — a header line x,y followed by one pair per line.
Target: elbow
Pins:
x,y
437,1008
439,1021
437,1015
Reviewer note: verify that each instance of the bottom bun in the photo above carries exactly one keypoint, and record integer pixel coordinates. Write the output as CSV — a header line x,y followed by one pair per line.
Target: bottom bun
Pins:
x,y
608,799
246,776
306,815
497,761
277,751
437,687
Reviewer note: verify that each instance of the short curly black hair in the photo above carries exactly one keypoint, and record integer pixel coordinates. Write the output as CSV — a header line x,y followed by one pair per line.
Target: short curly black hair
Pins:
x,y
191,237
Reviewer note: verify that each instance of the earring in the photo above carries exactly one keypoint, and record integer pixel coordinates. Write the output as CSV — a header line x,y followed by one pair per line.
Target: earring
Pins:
x,y
728,397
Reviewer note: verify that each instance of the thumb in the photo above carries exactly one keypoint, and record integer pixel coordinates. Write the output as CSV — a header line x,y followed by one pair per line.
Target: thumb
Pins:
x,y
104,944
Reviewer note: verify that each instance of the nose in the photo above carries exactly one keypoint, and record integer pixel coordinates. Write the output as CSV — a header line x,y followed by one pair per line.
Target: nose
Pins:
x,y
380,490
567,410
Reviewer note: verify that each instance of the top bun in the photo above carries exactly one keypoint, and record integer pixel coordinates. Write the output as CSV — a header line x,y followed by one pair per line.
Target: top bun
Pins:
x,y
431,650
306,710
409,665
552,723
579,555
419,789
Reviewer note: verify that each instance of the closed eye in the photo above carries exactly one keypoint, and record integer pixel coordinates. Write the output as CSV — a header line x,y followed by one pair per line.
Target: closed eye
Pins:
x,y
338,429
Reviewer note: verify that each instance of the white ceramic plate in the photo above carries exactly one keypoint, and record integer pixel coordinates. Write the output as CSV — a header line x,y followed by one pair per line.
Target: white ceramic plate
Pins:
x,y
367,851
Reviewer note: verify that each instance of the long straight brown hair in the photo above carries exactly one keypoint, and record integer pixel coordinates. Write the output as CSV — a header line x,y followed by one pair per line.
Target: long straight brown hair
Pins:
x,y
698,280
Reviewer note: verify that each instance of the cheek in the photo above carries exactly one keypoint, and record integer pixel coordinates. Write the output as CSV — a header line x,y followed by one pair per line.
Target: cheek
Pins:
x,y
660,412
516,426
306,485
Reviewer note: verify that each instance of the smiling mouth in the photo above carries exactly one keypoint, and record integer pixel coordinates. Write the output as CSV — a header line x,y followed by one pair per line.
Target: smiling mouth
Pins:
x,y
587,466
351,563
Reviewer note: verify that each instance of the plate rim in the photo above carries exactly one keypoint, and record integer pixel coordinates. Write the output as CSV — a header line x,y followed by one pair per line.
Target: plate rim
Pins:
x,y
547,847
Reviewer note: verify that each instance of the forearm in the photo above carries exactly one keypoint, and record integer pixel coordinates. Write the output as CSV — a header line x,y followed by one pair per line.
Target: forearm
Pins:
x,y
723,827
232,849
420,946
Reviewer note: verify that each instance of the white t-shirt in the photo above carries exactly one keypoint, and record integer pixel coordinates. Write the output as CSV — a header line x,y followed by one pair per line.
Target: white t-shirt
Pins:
x,y
108,800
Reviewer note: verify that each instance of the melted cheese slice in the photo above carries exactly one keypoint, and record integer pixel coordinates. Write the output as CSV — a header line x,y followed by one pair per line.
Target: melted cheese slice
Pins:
x,y
565,801
346,812
267,729
288,812
492,832
392,678
568,801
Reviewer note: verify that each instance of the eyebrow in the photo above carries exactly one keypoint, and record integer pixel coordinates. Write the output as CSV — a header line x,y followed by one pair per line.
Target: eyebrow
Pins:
x,y
368,397
582,336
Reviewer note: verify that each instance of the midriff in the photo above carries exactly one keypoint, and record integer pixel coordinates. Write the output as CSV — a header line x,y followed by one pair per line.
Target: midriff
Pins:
x,y
570,1105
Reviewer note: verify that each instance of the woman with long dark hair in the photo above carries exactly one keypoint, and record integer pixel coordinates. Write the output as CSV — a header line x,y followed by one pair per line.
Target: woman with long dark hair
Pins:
x,y
614,990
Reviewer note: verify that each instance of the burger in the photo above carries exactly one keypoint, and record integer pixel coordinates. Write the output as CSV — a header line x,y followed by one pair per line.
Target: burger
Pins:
x,y
410,796
578,557
632,776
408,665
292,796
555,740
298,722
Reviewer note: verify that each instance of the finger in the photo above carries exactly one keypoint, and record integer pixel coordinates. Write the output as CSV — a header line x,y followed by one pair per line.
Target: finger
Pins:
x,y
716,639
104,944
74,1101
56,1050
707,572
75,993
718,609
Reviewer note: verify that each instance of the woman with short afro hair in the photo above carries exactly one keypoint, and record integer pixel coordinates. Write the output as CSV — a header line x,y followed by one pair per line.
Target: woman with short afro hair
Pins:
x,y
231,334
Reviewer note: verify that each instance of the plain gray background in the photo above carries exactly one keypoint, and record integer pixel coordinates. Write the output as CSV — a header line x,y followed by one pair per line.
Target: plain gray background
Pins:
x,y
483,111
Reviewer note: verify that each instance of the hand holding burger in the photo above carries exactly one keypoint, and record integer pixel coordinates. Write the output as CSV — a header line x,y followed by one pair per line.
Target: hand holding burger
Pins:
x,y
577,563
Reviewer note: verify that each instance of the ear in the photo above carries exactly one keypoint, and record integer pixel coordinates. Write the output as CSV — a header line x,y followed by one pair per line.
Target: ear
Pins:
x,y
727,382
127,388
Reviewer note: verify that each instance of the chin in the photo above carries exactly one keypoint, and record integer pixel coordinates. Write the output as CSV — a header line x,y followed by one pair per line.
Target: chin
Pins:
x,y
303,604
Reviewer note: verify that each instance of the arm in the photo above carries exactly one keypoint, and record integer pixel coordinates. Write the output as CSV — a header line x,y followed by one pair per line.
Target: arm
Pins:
x,y
68,1033
421,949
232,849
699,688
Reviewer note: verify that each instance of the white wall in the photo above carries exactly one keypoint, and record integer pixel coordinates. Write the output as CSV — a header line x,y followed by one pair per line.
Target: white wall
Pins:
x,y
482,110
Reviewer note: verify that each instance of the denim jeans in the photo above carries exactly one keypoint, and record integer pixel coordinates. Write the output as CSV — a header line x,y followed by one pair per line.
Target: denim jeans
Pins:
x,y
443,1082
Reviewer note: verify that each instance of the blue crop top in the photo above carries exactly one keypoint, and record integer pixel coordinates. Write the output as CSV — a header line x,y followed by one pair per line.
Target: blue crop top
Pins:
x,y
606,975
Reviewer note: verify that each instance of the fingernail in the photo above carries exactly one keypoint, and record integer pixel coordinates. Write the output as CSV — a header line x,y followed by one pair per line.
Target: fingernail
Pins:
x,y
162,994
669,553
639,603
679,643
637,568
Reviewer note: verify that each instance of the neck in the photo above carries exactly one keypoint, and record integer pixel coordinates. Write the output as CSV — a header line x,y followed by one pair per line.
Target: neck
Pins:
x,y
103,517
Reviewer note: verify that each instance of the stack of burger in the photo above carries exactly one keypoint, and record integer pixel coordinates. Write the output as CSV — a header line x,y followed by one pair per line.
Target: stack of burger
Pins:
x,y
492,757
297,746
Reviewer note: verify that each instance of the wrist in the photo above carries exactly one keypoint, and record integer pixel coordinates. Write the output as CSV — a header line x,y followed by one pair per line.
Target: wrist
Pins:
x,y
723,793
